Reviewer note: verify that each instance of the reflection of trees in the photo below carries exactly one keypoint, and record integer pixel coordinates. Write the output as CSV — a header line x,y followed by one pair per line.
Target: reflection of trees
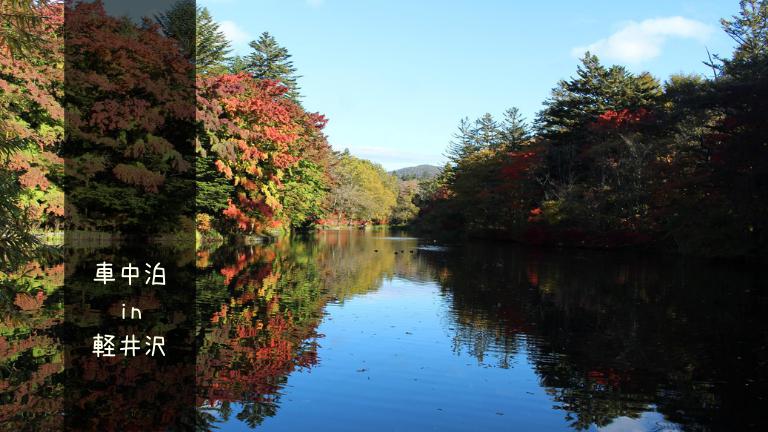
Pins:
x,y
30,352
613,336
608,335
134,393
42,329
258,315
489,318
259,308
355,264
350,264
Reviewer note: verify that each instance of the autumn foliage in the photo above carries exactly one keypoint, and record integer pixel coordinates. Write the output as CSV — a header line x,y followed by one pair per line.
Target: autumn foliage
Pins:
x,y
621,119
257,136
136,120
620,159
32,119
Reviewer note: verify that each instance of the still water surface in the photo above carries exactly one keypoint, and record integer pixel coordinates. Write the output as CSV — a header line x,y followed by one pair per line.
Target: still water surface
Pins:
x,y
350,331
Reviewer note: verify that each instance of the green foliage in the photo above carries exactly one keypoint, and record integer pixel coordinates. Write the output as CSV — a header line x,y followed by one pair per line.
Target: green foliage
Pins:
x,y
271,61
577,103
405,209
212,46
464,143
750,31
511,134
237,64
17,244
21,21
197,33
213,190
595,89
514,130
304,194
362,190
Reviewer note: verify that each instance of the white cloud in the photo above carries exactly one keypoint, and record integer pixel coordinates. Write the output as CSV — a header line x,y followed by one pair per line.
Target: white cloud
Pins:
x,y
234,33
639,41
315,3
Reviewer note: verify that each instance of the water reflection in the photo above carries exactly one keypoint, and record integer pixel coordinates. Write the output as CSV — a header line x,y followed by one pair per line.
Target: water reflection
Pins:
x,y
258,314
351,330
49,377
658,342
31,356
615,336
259,309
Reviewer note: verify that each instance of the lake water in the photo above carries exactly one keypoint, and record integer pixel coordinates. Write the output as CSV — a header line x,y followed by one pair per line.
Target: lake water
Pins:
x,y
371,331
351,331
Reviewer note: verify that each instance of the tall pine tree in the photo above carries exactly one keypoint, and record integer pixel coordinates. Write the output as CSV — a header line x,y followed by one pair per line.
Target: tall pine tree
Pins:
x,y
464,142
269,60
487,131
196,30
514,130
576,104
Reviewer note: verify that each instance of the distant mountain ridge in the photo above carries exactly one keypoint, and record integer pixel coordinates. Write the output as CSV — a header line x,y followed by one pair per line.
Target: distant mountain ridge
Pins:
x,y
417,172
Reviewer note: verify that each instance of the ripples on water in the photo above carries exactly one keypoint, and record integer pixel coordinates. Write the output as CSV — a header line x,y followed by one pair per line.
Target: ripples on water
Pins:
x,y
339,332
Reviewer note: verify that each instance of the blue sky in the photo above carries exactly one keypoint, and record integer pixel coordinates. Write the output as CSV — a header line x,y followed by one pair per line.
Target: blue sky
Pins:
x,y
395,77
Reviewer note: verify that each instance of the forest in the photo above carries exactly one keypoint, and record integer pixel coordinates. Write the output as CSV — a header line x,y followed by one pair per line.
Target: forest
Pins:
x,y
113,129
261,164
622,159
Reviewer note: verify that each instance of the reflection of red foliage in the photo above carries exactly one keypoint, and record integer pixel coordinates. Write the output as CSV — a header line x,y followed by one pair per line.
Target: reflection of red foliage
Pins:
x,y
607,377
251,357
532,273
535,215
254,340
122,391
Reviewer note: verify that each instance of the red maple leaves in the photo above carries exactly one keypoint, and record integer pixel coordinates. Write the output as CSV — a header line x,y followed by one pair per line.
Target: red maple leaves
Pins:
x,y
257,134
622,119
